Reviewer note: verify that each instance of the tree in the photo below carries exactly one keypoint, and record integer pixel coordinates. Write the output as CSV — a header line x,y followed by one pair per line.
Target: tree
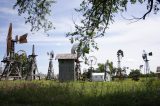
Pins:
x,y
100,67
36,12
111,67
135,74
23,62
152,74
99,14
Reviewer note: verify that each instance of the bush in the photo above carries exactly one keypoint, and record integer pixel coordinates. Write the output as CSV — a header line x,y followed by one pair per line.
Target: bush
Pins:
x,y
135,74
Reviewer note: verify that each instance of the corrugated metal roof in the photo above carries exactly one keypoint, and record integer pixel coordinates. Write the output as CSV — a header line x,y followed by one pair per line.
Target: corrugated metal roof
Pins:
x,y
66,56
97,74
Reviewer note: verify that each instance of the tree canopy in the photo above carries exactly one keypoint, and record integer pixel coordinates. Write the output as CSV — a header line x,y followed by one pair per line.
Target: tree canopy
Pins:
x,y
36,12
97,16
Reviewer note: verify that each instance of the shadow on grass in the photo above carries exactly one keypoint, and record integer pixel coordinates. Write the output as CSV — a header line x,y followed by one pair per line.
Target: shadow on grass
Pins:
x,y
72,94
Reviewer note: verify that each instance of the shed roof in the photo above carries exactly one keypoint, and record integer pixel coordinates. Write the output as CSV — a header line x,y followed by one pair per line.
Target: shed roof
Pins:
x,y
66,56
97,74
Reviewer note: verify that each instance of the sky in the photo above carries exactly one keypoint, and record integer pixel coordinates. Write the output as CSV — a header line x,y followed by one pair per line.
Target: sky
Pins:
x,y
132,38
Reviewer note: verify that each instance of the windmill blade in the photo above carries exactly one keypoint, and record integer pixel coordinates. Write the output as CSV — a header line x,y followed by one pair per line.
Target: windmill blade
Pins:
x,y
150,53
23,38
16,38
52,54
120,52
92,60
75,50
9,38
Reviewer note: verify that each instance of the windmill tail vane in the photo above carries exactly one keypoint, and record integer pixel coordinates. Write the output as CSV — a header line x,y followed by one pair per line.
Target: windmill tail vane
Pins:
x,y
23,38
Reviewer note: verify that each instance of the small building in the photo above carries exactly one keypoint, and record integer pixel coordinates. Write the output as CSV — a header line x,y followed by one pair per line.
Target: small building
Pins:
x,y
67,67
97,76
101,77
158,72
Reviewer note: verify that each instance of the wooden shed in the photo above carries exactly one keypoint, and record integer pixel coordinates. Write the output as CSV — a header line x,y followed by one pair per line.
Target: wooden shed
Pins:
x,y
67,67
158,72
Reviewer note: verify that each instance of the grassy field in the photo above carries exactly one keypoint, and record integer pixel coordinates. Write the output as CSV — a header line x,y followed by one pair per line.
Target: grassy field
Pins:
x,y
52,93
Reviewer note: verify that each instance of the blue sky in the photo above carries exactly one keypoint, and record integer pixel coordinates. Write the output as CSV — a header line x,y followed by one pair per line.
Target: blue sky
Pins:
x,y
131,38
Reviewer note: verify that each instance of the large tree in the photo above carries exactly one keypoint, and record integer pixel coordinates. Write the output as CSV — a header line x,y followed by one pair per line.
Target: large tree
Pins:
x,y
97,16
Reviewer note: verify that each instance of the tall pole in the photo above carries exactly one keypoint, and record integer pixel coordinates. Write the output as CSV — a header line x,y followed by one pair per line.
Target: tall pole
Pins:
x,y
76,50
145,58
119,55
119,61
91,65
50,74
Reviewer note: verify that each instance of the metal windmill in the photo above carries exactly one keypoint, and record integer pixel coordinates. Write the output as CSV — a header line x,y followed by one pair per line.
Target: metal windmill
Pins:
x,y
50,74
92,60
32,69
119,56
12,69
76,50
145,58
107,71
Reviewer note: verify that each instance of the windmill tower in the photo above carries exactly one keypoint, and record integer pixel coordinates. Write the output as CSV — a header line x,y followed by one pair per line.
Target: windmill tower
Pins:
x,y
119,56
12,69
76,50
145,58
50,74
32,66
92,60
107,72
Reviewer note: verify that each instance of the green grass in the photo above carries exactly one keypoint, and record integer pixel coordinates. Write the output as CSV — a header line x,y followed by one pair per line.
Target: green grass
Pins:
x,y
52,93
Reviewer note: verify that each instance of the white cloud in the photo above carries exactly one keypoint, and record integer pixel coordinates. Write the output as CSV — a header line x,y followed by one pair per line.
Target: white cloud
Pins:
x,y
6,10
132,39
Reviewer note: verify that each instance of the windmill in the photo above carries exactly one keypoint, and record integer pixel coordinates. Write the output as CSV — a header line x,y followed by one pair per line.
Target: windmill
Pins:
x,y
50,74
119,56
31,75
107,72
145,58
12,69
92,60
76,50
